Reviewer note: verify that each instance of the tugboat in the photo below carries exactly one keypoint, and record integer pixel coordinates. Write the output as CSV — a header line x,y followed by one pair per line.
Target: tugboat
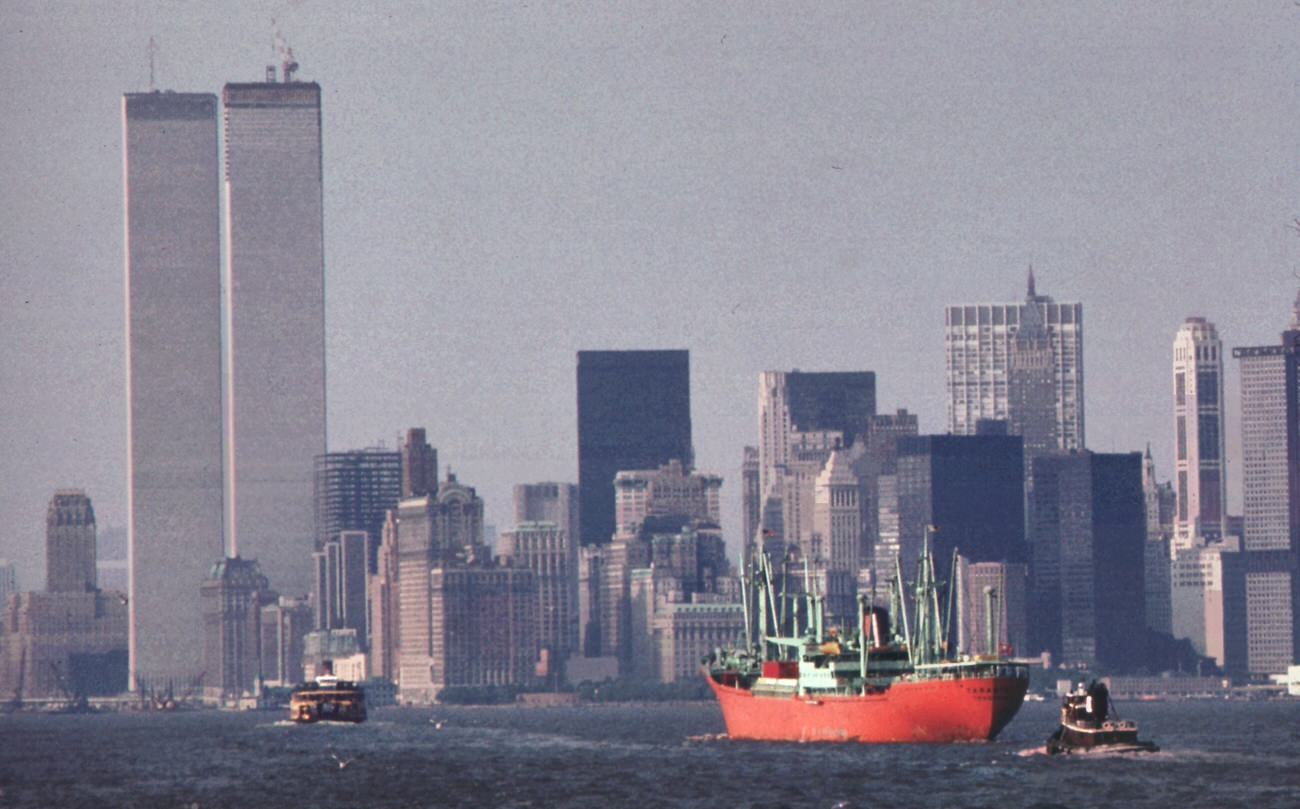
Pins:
x,y
797,680
1087,726
328,699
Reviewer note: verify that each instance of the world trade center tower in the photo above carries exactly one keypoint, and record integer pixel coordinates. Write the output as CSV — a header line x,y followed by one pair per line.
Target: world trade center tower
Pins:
x,y
173,361
276,327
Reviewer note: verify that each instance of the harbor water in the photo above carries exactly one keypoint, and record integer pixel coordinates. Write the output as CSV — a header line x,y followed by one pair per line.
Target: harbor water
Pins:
x,y
1213,754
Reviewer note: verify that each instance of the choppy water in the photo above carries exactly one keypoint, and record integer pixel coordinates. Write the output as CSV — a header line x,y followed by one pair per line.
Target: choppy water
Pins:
x,y
1214,754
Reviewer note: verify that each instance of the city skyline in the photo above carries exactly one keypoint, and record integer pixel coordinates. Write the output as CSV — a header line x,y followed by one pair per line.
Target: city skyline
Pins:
x,y
698,210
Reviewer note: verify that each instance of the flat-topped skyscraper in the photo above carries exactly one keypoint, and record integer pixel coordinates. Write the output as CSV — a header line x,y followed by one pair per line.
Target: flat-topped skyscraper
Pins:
x,y
173,361
276,329
634,412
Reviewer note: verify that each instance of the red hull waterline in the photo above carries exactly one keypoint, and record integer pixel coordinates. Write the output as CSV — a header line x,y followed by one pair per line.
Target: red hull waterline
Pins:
x,y
938,711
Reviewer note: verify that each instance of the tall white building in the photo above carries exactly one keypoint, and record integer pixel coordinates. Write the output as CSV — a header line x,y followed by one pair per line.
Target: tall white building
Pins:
x,y
173,362
994,374
276,327
1198,434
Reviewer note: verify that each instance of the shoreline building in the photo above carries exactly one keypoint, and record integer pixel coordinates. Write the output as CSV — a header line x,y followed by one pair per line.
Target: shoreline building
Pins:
x,y
1088,536
1021,363
552,555
634,412
275,274
1270,438
175,500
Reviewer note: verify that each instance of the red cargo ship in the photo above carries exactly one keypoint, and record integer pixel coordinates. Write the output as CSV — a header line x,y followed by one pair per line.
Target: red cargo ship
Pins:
x,y
875,687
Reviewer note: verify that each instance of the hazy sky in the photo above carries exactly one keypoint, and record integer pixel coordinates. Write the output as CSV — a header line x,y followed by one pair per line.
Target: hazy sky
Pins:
x,y
769,186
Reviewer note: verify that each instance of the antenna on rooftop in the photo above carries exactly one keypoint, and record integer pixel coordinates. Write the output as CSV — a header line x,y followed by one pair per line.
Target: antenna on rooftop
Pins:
x,y
153,53
280,51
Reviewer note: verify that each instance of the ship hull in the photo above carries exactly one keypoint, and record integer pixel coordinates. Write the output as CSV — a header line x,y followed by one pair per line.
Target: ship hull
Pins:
x,y
922,711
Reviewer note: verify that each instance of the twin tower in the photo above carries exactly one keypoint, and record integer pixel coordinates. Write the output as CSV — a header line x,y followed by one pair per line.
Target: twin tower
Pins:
x,y
225,360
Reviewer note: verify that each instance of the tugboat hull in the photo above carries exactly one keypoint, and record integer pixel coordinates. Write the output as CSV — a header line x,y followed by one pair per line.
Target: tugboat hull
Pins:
x,y
925,711
1120,737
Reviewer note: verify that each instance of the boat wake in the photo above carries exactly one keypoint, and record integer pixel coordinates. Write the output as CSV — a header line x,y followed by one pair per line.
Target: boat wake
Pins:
x,y
706,737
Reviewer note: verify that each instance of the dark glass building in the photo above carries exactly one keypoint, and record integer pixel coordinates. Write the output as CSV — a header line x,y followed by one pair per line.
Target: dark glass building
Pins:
x,y
634,412
1087,544
971,489
831,400
353,490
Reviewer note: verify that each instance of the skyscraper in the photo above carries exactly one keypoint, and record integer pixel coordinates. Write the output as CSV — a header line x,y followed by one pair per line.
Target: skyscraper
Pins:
x,y
551,502
1161,505
1270,438
353,490
802,418
1018,362
70,543
634,412
276,329
173,360
1198,434
419,465
1087,538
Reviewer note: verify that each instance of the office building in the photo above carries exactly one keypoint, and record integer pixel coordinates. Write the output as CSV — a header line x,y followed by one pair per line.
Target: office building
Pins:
x,y
1002,358
803,417
342,569
173,362
1209,602
1088,536
419,465
1161,505
634,412
8,580
1198,434
284,625
233,597
353,491
70,543
275,274
751,497
992,608
1270,438
556,503
552,555
482,628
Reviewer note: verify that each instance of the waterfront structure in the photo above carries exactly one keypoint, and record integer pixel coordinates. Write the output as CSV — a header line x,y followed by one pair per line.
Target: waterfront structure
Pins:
x,y
342,568
283,626
1161,505
1209,602
419,465
634,412
173,361
233,597
384,608
1270,438
1198,434
353,491
802,418
685,632
439,530
1088,535
275,274
70,543
63,645
552,555
1002,360
549,502
483,628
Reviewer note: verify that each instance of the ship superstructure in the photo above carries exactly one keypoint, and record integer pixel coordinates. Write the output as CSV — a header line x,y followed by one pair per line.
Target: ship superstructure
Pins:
x,y
795,679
